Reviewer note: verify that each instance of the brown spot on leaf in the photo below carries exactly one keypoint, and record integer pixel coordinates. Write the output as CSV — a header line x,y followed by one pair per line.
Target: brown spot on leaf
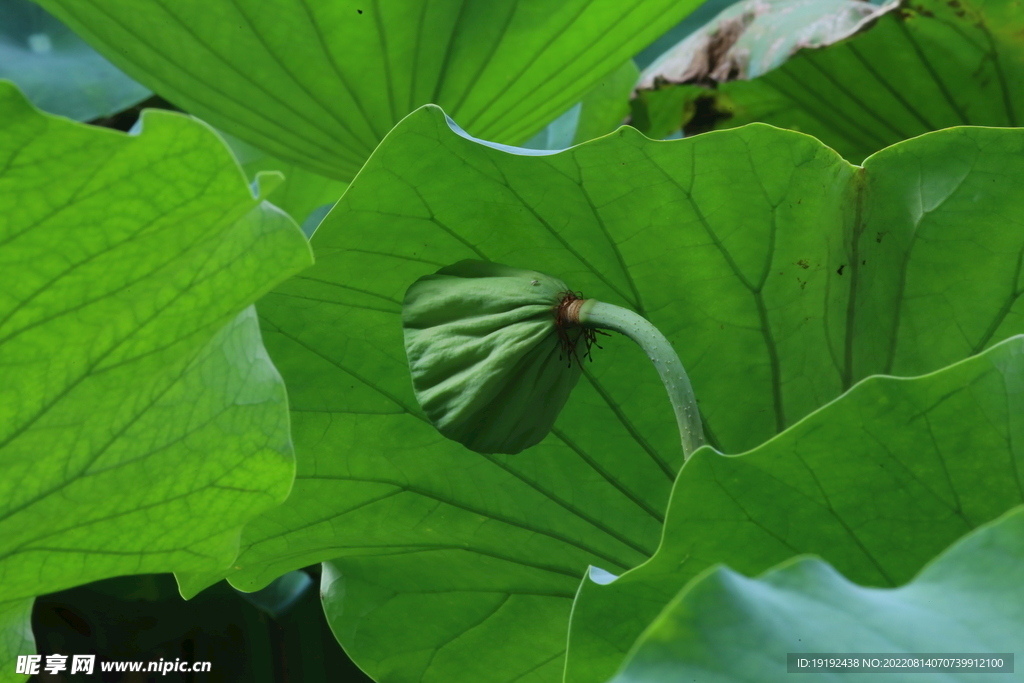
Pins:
x,y
721,51
707,58
840,271
713,62
803,263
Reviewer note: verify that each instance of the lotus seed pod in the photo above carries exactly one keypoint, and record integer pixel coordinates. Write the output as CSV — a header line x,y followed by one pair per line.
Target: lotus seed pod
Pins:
x,y
490,366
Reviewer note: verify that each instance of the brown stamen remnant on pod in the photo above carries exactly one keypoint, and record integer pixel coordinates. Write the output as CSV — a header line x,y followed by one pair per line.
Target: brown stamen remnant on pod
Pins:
x,y
567,324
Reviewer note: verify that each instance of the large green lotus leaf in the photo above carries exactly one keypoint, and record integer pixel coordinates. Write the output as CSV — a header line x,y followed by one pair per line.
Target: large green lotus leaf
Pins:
x,y
742,246
320,82
141,421
926,66
876,483
726,628
56,69
15,637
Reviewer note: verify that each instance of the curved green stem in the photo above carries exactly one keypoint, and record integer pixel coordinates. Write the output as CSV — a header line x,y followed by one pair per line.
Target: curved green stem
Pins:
x,y
597,314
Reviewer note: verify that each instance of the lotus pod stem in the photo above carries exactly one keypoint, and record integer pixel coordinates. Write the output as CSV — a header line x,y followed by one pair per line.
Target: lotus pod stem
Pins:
x,y
594,314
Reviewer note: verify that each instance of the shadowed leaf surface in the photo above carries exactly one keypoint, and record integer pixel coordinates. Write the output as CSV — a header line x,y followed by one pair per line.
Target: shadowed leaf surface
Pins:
x,y
726,628
781,273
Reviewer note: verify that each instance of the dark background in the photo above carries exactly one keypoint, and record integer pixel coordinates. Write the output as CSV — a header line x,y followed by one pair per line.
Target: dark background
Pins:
x,y
143,618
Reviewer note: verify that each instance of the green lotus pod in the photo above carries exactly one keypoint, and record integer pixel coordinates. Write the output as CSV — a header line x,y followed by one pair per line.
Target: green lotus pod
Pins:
x,y
490,365
492,348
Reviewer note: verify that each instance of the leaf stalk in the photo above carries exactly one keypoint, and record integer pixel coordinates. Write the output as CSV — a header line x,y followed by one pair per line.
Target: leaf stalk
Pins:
x,y
595,314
